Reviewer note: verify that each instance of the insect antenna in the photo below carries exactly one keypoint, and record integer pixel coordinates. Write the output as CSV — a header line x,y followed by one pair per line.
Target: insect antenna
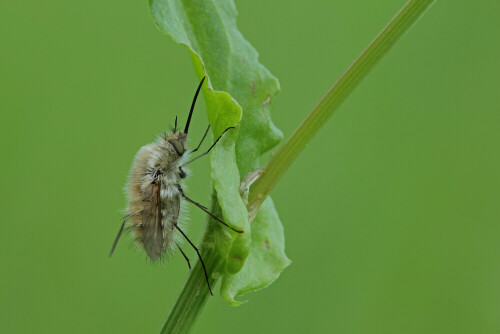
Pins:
x,y
175,126
192,106
199,256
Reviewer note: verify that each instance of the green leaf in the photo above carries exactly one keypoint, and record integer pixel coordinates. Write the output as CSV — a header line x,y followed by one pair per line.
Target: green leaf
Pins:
x,y
266,260
226,180
239,92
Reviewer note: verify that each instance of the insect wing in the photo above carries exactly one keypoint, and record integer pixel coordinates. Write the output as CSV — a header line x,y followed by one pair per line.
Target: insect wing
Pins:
x,y
151,223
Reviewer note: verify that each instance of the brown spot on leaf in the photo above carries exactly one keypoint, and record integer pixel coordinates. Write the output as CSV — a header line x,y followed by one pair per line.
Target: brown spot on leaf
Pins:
x,y
266,244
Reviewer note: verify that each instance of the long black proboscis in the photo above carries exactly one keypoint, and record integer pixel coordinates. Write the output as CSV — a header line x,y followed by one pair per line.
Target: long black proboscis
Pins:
x,y
192,106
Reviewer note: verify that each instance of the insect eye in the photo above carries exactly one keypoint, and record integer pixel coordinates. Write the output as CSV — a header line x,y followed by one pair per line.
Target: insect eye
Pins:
x,y
179,148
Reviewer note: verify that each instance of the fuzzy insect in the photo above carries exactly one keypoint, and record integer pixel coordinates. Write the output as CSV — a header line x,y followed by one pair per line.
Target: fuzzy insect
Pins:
x,y
155,191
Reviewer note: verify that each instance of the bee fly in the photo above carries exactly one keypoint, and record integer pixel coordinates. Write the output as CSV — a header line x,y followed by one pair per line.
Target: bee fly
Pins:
x,y
155,192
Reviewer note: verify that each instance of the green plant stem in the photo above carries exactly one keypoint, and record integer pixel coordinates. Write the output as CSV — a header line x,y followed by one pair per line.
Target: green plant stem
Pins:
x,y
330,102
192,298
194,294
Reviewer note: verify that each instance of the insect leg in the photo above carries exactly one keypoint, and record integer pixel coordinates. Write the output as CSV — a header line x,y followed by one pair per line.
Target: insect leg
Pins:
x,y
205,209
117,238
215,142
189,264
202,139
121,230
199,256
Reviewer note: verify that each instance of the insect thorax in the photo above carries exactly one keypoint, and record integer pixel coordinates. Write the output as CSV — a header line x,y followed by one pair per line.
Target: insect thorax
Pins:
x,y
165,159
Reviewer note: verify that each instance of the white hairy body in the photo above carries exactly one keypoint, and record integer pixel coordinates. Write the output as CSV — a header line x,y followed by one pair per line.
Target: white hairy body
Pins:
x,y
154,195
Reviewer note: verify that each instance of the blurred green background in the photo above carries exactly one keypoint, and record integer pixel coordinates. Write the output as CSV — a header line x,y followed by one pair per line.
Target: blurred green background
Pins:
x,y
391,214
